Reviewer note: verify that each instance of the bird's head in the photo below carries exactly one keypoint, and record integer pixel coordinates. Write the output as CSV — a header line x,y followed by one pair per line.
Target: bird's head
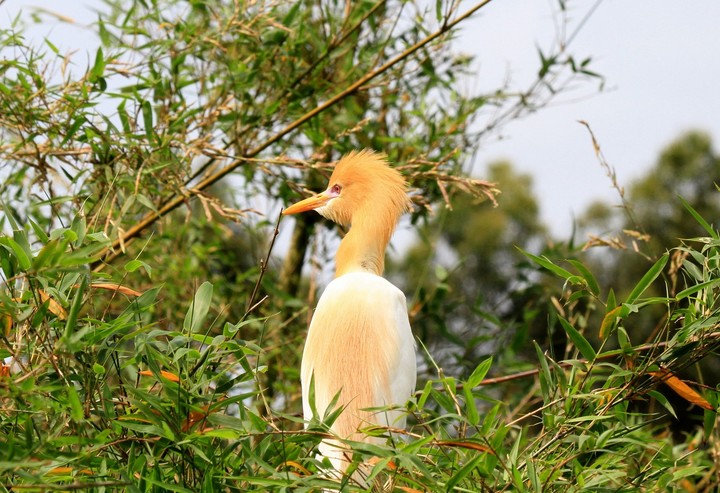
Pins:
x,y
362,188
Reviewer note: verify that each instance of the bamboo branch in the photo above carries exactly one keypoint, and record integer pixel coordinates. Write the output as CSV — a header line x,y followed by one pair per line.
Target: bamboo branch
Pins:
x,y
113,251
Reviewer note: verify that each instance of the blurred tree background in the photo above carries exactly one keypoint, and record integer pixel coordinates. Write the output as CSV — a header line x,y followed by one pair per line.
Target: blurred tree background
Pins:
x,y
152,324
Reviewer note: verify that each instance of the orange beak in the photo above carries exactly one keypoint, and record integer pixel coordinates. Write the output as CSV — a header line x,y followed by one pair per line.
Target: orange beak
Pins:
x,y
309,204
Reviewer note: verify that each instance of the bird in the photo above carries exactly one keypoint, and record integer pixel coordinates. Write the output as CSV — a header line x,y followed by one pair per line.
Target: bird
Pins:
x,y
359,345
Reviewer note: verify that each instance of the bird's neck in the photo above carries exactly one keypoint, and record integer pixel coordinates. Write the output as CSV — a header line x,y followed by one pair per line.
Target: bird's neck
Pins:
x,y
362,250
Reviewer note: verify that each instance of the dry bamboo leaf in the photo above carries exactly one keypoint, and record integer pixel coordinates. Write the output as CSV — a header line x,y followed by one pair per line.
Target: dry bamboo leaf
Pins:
x,y
165,374
682,389
68,470
464,444
135,418
6,323
295,465
373,461
408,489
608,321
54,307
195,417
111,286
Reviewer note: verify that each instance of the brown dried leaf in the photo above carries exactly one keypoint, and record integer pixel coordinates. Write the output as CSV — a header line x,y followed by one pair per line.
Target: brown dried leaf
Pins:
x,y
165,374
295,465
464,444
54,307
111,286
682,389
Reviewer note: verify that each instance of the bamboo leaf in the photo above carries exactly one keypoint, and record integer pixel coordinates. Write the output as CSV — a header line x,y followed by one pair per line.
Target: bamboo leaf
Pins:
x,y
76,409
21,256
663,401
694,289
471,411
590,280
647,279
71,322
479,373
53,306
198,308
701,220
547,264
682,389
609,321
463,472
147,114
577,338
164,374
544,374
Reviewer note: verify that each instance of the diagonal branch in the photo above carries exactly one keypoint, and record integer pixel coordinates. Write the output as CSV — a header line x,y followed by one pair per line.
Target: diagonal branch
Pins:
x,y
112,251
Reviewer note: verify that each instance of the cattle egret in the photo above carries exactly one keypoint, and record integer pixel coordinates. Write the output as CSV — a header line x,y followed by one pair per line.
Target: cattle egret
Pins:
x,y
359,342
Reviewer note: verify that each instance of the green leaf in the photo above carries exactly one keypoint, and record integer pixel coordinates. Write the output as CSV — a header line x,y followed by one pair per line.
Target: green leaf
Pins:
x,y
588,276
647,279
547,264
422,400
50,253
710,417
79,227
663,401
463,472
544,375
471,411
71,322
611,301
701,220
21,256
135,264
694,289
577,338
98,67
290,16
479,373
198,308
39,232
52,46
76,409
147,114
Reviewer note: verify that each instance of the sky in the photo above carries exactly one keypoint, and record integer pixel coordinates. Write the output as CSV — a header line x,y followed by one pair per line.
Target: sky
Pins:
x,y
660,60
661,63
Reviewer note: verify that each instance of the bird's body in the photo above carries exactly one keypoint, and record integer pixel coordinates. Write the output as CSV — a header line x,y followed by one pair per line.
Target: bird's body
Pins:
x,y
360,349
359,345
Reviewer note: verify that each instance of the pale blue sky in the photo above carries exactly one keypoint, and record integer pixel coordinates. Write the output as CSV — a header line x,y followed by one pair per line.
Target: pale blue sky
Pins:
x,y
660,60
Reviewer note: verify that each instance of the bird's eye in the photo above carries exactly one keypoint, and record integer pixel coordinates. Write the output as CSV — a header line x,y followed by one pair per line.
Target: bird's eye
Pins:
x,y
336,189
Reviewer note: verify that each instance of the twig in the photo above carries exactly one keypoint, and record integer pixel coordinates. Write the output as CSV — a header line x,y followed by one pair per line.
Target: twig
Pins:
x,y
610,171
263,268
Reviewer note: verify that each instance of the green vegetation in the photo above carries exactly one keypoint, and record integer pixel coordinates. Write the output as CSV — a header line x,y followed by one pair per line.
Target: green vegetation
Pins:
x,y
150,331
